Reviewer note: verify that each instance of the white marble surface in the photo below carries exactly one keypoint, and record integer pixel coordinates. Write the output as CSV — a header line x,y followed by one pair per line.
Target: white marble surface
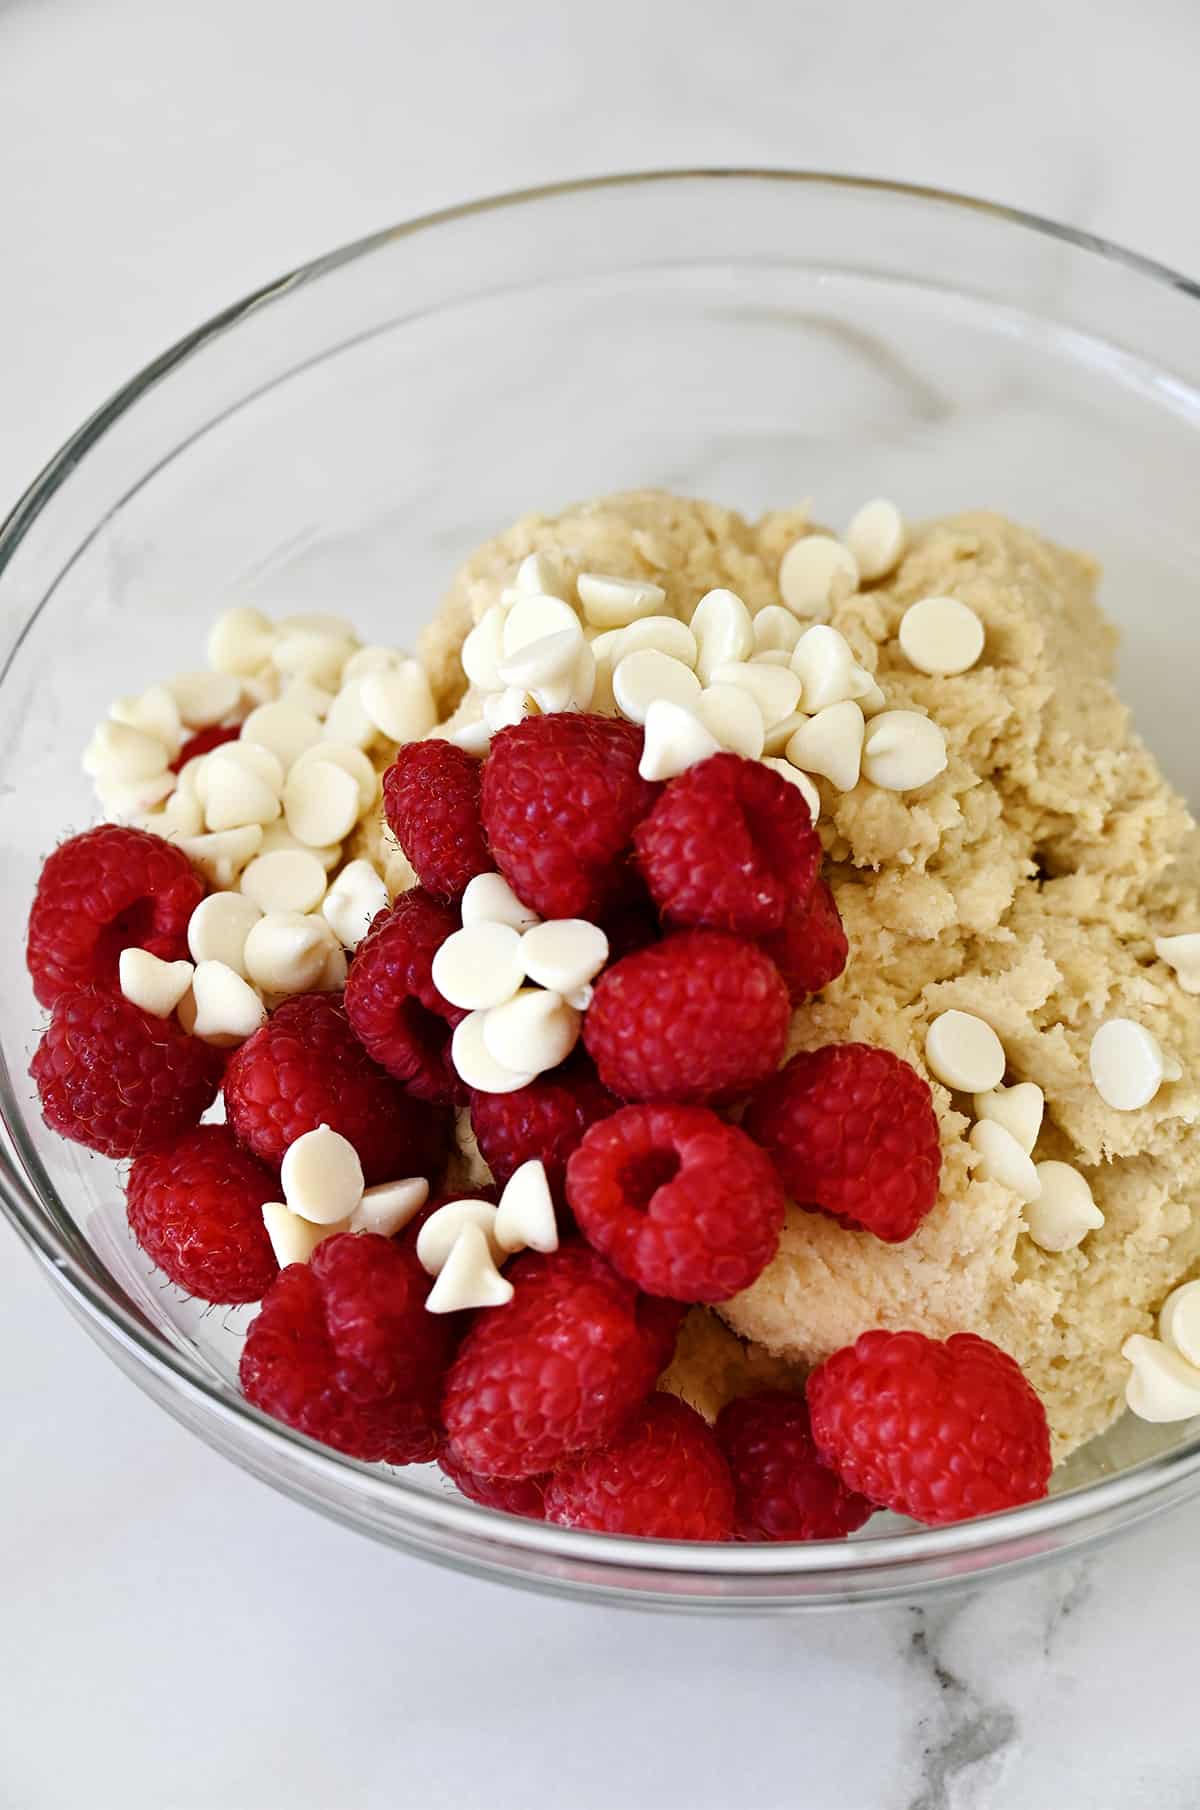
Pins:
x,y
172,1634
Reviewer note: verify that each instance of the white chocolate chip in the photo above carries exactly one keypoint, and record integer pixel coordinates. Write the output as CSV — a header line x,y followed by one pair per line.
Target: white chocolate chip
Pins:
x,y
333,975
540,575
222,855
964,1053
286,951
724,632
321,1176
1064,1212
372,659
353,902
489,899
872,701
252,757
399,874
675,740
205,698
877,537
776,630
1128,1065
388,1208
293,1239
125,800
831,744
544,661
469,1277
525,1218
732,716
348,720
941,636
642,678
225,1009
156,713
1183,954
476,1066
574,690
218,928
616,602
665,634
564,954
400,702
1019,1109
1179,1321
352,761
311,653
265,686
438,1236
1001,1159
183,815
234,796
801,781
284,728
154,985
479,966
321,802
532,619
824,662
531,1032
505,709
278,836
775,689
474,738
285,880
240,642
903,750
772,656
1162,1385
118,752
815,573
483,650
780,734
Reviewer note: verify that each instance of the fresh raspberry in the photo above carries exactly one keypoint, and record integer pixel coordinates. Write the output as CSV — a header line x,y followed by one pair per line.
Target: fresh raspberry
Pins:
x,y
853,1131
553,1373
811,949
664,1478
431,801
729,846
544,1121
783,1489
397,1013
525,1496
305,1068
939,1431
195,1207
561,799
118,1079
203,742
109,889
344,1351
701,1016
678,1201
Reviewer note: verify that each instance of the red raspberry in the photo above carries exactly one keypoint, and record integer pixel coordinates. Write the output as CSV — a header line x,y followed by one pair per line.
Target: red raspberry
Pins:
x,y
663,1478
561,799
555,1372
111,888
782,1488
677,1200
729,846
344,1351
701,1016
544,1121
431,801
811,949
525,1496
203,742
853,1131
305,1068
397,1013
119,1080
195,1207
939,1431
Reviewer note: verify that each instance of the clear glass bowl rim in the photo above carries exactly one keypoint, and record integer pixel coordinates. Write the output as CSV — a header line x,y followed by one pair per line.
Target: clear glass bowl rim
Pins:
x,y
1019,1532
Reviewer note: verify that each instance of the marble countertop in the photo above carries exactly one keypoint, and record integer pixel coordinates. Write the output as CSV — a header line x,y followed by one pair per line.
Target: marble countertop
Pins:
x,y
209,1645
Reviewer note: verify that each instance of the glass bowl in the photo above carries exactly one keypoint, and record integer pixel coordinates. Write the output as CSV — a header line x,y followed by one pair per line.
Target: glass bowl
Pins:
x,y
342,438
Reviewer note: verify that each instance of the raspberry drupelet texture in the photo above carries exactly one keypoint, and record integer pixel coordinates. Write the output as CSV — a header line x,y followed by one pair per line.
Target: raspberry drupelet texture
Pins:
x,y
937,1430
729,846
663,1477
118,1079
395,1010
811,947
344,1351
700,1016
677,1200
853,1132
544,1121
524,1496
305,1068
109,889
195,1207
783,1489
431,802
203,742
562,797
556,1371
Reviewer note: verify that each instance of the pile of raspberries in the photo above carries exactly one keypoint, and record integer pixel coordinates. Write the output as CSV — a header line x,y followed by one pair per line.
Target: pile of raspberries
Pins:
x,y
672,1140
